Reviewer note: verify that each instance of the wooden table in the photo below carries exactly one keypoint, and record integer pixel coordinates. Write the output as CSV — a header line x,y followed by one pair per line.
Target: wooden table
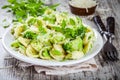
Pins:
x,y
10,71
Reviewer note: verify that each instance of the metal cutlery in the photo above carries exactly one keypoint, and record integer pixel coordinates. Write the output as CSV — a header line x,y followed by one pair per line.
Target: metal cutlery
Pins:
x,y
110,28
109,51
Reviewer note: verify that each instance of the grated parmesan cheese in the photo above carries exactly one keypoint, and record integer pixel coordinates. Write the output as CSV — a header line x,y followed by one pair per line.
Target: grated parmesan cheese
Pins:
x,y
83,3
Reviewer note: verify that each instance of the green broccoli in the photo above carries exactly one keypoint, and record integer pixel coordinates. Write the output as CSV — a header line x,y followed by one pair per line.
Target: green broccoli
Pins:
x,y
15,44
74,45
29,35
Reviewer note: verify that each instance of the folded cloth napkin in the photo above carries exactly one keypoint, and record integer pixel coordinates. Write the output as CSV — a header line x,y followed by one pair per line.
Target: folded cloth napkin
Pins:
x,y
89,65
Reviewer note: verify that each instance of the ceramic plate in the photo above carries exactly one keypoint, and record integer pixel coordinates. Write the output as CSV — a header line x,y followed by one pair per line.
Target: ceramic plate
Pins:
x,y
8,38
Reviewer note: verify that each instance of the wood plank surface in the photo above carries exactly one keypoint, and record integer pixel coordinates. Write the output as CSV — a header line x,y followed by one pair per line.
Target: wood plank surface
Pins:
x,y
9,69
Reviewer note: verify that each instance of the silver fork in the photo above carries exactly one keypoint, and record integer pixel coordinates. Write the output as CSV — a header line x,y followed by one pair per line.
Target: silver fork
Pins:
x,y
109,51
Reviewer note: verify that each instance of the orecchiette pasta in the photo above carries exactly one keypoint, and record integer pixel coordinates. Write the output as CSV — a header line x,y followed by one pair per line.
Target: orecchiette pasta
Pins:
x,y
53,36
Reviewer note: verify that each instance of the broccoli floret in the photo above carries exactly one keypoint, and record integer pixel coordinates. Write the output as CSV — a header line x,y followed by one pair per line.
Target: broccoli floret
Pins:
x,y
15,44
80,31
29,35
74,45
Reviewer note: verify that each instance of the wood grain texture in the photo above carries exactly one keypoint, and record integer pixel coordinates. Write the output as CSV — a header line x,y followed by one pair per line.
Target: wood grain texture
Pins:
x,y
111,71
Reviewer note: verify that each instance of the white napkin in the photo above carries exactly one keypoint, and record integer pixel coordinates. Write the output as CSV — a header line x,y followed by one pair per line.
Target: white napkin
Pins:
x,y
89,65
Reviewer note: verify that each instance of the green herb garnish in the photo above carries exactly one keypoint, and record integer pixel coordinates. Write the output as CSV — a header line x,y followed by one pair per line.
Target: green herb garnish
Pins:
x,y
23,8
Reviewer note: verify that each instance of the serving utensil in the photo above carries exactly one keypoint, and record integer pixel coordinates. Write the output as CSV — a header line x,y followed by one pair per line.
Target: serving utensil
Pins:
x,y
110,52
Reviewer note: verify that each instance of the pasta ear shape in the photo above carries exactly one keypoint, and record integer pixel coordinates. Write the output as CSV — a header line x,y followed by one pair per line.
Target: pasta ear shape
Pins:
x,y
22,49
88,36
30,20
87,46
57,52
58,38
36,45
44,54
58,47
31,52
24,41
53,35
18,30
74,55
48,11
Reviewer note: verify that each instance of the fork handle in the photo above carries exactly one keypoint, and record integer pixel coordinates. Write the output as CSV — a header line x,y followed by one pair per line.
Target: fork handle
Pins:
x,y
111,25
97,20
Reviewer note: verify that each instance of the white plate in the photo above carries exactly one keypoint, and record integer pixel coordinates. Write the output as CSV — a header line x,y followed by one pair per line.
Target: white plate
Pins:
x,y
8,38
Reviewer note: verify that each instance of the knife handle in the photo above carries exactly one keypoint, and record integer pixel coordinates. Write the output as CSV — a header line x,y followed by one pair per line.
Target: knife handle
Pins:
x,y
97,20
111,25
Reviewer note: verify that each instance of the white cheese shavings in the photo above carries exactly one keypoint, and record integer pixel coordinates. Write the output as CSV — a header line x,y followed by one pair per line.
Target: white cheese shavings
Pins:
x,y
83,3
